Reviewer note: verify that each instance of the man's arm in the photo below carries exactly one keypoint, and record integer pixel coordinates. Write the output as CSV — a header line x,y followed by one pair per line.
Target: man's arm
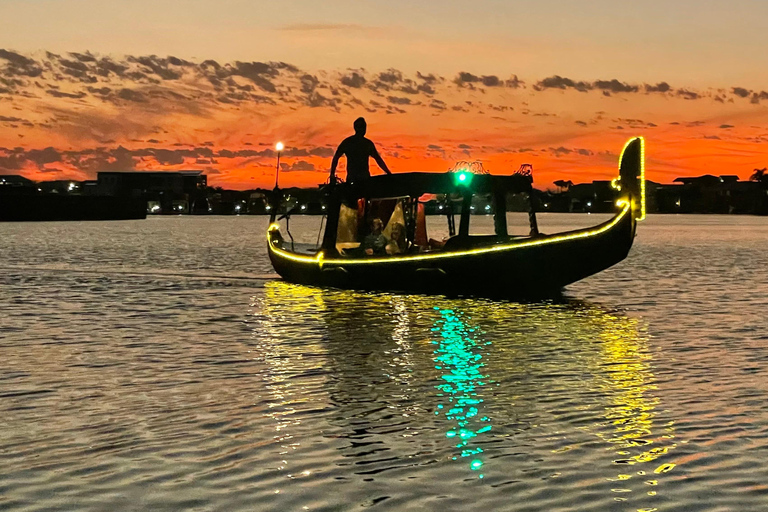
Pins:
x,y
379,160
335,161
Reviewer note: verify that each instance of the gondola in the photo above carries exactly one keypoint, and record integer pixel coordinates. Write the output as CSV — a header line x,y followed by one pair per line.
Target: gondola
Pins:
x,y
488,265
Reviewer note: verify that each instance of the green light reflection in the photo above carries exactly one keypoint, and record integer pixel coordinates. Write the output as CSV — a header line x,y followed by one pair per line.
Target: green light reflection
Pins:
x,y
458,356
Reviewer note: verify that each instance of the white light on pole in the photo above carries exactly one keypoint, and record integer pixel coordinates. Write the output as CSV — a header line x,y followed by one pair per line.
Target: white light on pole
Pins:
x,y
279,147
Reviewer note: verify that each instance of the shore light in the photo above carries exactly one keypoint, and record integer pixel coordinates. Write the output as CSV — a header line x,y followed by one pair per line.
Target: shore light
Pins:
x,y
279,147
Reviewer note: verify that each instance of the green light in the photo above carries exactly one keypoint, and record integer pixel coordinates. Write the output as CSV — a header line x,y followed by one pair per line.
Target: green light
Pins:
x,y
463,178
476,464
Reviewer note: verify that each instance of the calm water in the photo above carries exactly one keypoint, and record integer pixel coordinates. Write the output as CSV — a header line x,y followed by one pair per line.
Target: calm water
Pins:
x,y
157,365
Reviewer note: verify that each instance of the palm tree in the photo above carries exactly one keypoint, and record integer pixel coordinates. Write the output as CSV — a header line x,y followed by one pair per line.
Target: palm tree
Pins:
x,y
759,175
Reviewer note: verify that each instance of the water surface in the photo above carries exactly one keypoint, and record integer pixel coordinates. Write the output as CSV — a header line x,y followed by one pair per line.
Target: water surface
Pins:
x,y
158,365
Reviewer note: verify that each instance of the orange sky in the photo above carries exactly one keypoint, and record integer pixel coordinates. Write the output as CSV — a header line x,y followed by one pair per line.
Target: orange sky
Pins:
x,y
70,115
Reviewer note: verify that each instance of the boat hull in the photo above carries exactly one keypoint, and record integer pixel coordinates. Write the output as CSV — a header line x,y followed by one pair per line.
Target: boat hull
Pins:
x,y
527,268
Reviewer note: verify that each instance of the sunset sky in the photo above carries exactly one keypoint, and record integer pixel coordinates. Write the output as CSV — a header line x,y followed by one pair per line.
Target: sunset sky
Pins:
x,y
165,85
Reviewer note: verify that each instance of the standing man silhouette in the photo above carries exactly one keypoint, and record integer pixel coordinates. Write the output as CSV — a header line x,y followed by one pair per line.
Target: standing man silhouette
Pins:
x,y
357,150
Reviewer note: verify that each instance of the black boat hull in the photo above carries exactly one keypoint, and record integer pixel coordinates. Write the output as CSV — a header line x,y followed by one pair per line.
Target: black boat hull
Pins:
x,y
532,267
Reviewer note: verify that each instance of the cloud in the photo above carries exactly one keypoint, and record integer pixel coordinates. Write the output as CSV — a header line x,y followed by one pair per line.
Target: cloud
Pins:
x,y
408,89
426,89
257,72
740,92
20,65
430,78
514,82
299,165
614,86
688,95
318,100
398,100
392,76
132,95
18,158
83,57
60,94
659,87
490,81
158,66
355,80
465,78
308,83
726,126
558,82
756,97
606,86
437,104
106,67
91,160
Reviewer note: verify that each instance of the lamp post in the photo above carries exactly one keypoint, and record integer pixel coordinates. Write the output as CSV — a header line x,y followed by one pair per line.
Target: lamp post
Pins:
x,y
279,147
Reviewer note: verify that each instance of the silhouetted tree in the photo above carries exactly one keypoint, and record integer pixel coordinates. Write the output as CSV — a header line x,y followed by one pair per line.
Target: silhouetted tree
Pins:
x,y
759,175
563,185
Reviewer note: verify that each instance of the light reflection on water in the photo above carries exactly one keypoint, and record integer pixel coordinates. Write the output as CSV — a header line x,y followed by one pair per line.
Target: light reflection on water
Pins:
x,y
457,354
565,389
170,376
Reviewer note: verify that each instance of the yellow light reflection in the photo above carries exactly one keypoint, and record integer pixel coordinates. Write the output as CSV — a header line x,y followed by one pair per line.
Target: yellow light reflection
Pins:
x,y
430,359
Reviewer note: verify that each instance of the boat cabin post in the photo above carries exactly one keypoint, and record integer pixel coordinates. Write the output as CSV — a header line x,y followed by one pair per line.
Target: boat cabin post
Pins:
x,y
449,215
332,222
532,213
500,212
466,206
275,200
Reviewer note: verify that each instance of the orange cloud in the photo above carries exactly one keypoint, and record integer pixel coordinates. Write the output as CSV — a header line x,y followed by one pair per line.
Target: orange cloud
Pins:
x,y
70,116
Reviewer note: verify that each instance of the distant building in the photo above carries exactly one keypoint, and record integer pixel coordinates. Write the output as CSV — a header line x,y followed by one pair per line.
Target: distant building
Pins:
x,y
60,187
165,192
711,194
14,180
145,182
598,196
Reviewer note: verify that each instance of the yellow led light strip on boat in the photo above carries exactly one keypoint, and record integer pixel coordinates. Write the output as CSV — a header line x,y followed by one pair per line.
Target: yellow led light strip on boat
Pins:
x,y
642,179
616,183
426,257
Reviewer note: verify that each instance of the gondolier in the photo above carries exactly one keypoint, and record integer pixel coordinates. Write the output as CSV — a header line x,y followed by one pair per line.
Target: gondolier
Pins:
x,y
358,149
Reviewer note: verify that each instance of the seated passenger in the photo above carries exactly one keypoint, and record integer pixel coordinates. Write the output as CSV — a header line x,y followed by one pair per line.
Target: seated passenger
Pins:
x,y
397,244
375,243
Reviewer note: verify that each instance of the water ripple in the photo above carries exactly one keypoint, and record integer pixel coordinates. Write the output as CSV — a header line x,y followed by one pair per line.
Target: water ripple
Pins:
x,y
137,375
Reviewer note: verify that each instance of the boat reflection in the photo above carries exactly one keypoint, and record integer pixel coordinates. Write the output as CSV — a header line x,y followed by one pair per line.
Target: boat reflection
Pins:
x,y
410,382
